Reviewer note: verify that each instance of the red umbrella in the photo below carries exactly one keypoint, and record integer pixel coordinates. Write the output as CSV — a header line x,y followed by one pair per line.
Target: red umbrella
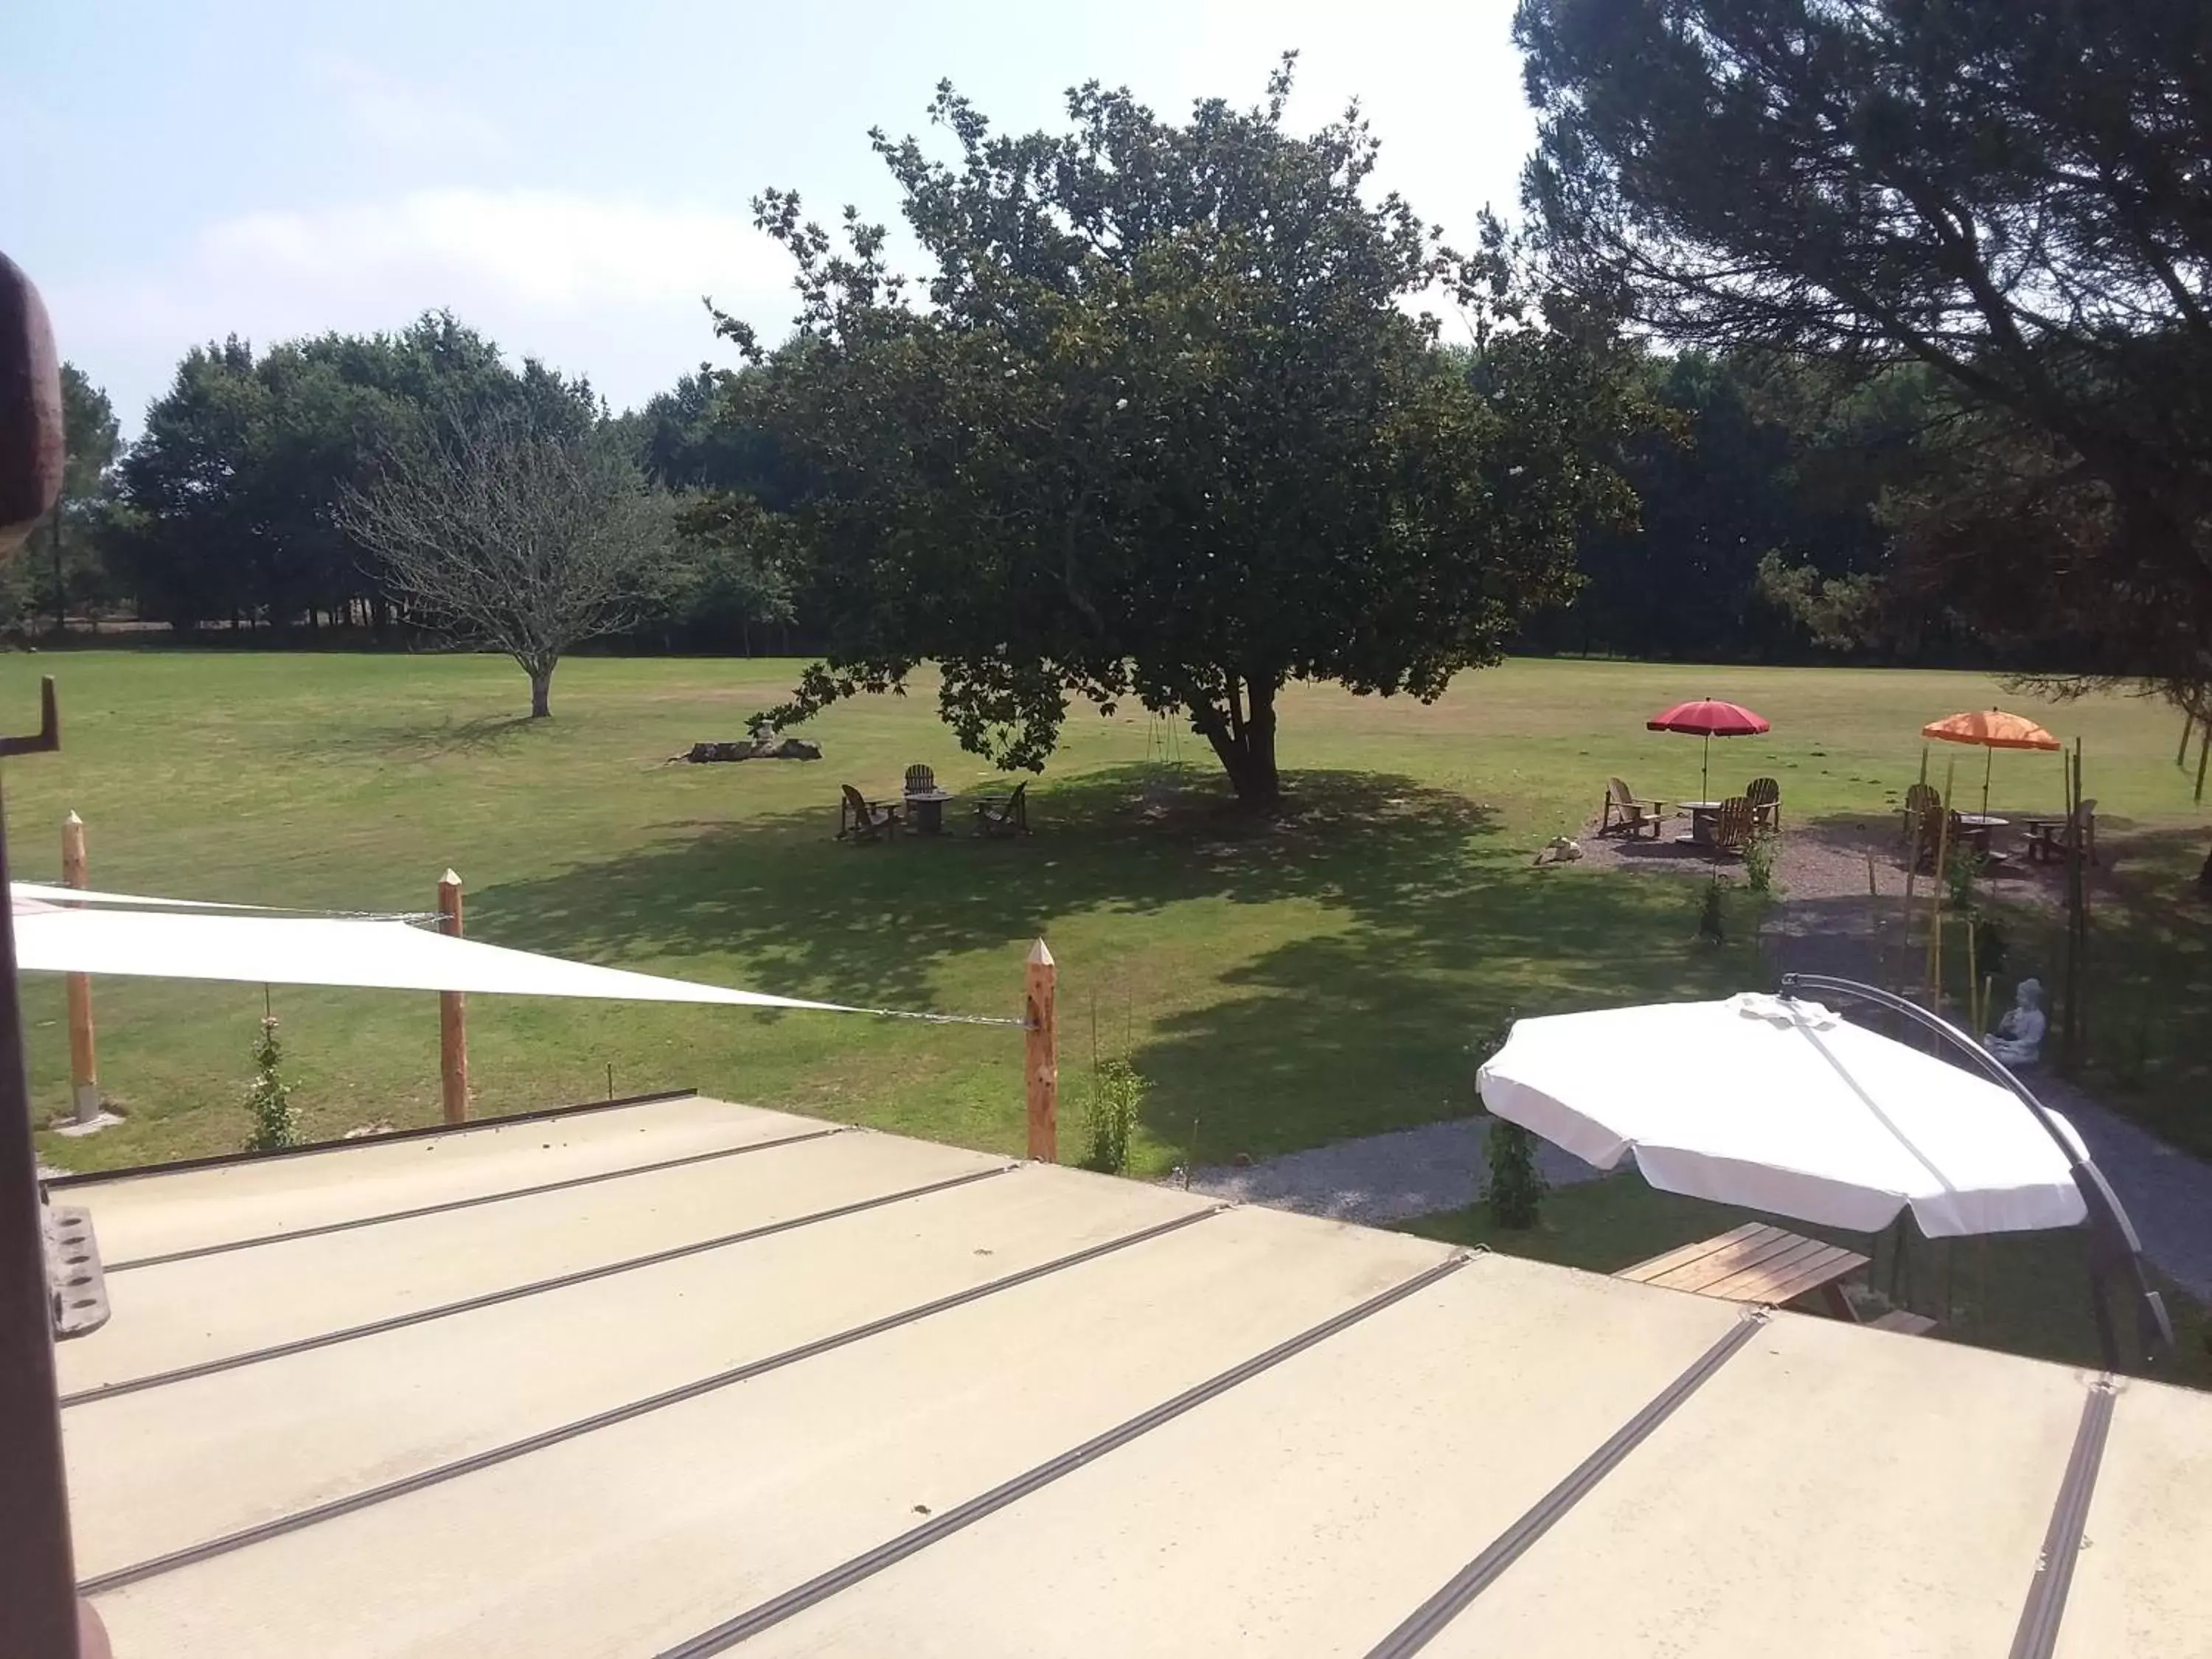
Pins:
x,y
1708,718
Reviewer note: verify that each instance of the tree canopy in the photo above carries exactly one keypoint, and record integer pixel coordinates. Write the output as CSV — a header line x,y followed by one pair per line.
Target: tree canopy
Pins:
x,y
2009,192
1161,423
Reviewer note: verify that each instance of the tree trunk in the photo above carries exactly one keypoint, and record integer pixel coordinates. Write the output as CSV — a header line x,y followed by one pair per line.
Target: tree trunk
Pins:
x,y
1243,737
541,693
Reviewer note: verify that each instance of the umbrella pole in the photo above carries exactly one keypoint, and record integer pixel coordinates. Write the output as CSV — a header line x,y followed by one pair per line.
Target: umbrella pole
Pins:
x,y
1989,759
1705,775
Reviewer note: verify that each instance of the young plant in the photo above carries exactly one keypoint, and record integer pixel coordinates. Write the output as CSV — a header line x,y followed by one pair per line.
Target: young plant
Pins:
x,y
1759,856
269,1097
1513,1188
1712,922
1117,1093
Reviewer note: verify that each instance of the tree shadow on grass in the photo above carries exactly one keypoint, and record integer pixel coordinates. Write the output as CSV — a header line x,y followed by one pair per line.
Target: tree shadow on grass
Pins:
x,y
816,917
1421,935
1382,1026
434,739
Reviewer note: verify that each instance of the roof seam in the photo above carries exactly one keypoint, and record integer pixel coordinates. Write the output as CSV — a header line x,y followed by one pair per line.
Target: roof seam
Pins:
x,y
824,1586
516,1292
2040,1615
1426,1622
209,1549
224,1248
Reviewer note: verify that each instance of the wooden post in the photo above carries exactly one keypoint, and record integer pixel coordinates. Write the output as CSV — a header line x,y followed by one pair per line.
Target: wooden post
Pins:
x,y
452,1012
1042,1069
84,1060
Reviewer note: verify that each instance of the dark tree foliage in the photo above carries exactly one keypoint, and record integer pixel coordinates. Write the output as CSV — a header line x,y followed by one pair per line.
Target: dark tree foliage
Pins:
x,y
1165,430
2012,193
236,487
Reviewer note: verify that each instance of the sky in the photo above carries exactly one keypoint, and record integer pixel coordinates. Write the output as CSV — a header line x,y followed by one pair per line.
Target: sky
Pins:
x,y
571,181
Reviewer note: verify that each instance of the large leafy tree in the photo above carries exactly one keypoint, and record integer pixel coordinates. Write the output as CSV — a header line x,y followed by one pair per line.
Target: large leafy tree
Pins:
x,y
2012,193
1162,424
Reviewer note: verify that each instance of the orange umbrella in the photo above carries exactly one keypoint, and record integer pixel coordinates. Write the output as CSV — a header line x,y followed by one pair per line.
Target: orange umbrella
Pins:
x,y
1993,729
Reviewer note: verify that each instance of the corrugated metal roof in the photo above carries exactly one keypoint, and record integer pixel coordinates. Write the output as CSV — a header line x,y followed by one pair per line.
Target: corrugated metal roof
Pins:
x,y
685,1377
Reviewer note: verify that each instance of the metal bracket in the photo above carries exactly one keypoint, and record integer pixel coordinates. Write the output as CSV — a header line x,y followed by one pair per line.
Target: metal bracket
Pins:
x,y
76,1287
48,737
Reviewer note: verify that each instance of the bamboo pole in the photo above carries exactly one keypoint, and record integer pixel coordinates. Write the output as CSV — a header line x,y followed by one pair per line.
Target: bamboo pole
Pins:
x,y
1935,894
452,1012
1040,1071
2071,1027
84,1059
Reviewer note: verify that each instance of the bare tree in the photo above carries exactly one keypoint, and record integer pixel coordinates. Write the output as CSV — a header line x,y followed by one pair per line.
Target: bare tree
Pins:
x,y
512,535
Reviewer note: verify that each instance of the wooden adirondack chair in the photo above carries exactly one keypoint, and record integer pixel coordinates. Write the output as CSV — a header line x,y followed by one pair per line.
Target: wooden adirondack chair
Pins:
x,y
2048,839
1734,824
859,819
1765,795
919,780
1622,811
1004,815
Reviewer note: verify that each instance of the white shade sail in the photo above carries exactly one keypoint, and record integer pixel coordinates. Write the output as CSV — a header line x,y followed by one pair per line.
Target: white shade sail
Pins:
x,y
36,893
1784,1106
261,949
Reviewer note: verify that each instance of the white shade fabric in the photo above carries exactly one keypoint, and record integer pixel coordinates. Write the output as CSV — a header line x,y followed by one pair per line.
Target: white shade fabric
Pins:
x,y
36,893
1784,1106
390,956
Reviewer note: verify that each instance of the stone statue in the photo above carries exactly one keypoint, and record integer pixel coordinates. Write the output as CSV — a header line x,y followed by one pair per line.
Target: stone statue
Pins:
x,y
2018,1040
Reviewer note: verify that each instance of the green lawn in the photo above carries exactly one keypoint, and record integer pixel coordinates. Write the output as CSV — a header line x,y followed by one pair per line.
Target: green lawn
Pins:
x,y
1282,984
2025,1292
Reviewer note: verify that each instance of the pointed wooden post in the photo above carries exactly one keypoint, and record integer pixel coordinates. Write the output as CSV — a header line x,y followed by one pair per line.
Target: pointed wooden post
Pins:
x,y
1042,1069
84,1060
452,1012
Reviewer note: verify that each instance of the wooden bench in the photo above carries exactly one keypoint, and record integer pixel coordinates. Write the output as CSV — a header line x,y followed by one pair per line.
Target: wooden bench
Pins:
x,y
1755,1263
1905,1320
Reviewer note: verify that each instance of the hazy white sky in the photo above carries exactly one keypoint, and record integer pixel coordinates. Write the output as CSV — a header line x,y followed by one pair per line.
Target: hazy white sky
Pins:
x,y
571,180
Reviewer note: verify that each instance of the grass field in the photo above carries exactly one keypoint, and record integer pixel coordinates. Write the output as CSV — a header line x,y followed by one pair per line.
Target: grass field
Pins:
x,y
1282,984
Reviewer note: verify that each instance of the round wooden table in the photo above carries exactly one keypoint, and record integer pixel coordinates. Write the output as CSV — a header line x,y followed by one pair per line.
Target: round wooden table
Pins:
x,y
924,812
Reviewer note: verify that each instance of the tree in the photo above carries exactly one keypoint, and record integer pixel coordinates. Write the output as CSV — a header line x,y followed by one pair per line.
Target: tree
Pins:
x,y
513,531
235,489
74,564
1166,428
2009,192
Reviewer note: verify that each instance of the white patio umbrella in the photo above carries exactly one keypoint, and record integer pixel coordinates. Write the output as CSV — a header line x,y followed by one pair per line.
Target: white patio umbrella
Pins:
x,y
1783,1106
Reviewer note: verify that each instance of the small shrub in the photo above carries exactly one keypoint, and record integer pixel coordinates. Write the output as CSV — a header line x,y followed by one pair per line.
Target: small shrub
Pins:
x,y
1961,872
1117,1091
1514,1189
269,1097
1712,922
1759,856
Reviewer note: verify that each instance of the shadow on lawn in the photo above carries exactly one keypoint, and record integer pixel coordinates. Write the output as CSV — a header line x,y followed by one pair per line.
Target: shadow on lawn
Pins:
x,y
820,918
1436,934
432,740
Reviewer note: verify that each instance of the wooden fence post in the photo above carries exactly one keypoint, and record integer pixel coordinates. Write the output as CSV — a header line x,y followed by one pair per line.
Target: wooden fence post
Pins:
x,y
1042,1069
452,1012
84,1060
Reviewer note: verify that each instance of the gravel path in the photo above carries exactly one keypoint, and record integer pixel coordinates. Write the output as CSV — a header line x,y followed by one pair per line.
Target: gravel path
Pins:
x,y
1379,1178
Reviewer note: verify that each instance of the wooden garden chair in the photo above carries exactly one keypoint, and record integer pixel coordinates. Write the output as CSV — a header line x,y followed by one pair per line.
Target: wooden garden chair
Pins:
x,y
2049,839
1734,824
920,780
1765,795
859,819
1622,811
1004,815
